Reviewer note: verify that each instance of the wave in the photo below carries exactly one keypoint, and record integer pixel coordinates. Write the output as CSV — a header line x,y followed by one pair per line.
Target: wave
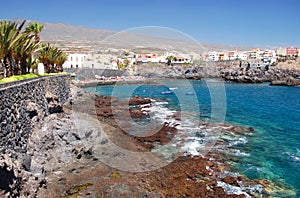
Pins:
x,y
192,148
159,112
192,138
238,153
159,102
230,189
240,140
230,151
292,156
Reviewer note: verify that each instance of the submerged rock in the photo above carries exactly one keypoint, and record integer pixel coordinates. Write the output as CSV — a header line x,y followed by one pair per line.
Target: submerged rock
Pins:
x,y
286,82
272,189
136,100
273,75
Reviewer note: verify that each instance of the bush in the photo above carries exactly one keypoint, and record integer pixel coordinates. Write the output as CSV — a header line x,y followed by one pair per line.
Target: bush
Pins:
x,y
26,76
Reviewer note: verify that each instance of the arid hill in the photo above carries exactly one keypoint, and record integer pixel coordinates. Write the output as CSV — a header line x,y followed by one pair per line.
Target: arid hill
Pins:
x,y
162,38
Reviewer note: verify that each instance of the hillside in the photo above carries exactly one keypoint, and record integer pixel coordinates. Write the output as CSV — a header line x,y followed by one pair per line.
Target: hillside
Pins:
x,y
165,39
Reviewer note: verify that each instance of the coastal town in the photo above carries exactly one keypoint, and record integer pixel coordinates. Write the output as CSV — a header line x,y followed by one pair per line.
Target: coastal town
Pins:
x,y
279,66
107,58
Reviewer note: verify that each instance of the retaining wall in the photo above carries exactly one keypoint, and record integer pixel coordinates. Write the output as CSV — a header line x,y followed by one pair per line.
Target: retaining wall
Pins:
x,y
91,73
24,104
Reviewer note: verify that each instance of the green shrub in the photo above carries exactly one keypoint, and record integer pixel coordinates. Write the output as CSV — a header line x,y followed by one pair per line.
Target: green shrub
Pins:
x,y
27,76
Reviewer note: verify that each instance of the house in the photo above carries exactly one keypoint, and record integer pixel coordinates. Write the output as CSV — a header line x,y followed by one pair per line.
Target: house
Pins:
x,y
256,54
144,58
75,61
180,59
241,56
281,51
212,56
222,56
269,56
232,55
236,55
99,61
291,51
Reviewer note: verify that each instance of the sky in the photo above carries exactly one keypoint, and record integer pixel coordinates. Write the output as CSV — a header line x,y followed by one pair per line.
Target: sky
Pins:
x,y
253,23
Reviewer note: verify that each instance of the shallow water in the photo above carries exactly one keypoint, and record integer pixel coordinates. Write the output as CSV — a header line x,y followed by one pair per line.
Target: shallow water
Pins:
x,y
272,152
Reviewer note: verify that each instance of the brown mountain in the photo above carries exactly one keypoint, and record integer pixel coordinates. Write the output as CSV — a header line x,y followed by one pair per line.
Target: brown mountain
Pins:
x,y
148,37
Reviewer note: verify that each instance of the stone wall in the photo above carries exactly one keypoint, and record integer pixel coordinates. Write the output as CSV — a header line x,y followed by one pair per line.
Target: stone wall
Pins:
x,y
25,104
91,73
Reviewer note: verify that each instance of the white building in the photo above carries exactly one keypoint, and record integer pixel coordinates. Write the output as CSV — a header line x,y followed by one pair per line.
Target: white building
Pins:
x,y
241,56
281,51
256,54
181,59
213,56
269,56
75,61
99,61
95,61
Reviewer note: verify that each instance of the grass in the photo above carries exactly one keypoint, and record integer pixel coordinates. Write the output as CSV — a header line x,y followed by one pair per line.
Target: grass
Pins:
x,y
27,76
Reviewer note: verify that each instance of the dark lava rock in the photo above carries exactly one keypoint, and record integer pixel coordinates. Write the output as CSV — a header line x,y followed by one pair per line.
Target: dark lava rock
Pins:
x,y
26,162
231,180
136,100
163,136
137,113
8,178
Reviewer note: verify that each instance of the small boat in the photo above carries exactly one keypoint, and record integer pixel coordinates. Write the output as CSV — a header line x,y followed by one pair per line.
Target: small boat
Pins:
x,y
189,93
173,88
166,92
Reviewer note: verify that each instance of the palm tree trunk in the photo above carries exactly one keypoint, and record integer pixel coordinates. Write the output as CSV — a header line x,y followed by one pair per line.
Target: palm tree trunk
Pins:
x,y
48,68
15,66
27,71
2,69
8,67
17,69
59,68
23,65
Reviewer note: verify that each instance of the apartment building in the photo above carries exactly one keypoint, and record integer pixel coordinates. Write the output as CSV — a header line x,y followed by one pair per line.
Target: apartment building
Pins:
x,y
75,61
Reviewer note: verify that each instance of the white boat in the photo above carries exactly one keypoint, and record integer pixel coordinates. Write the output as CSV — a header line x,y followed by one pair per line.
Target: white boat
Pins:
x,y
189,93
166,92
173,88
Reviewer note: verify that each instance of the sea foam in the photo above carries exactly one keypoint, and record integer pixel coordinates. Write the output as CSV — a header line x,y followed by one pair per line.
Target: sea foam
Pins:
x,y
230,189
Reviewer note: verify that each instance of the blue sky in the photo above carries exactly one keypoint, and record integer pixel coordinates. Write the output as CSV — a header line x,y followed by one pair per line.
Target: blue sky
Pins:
x,y
255,23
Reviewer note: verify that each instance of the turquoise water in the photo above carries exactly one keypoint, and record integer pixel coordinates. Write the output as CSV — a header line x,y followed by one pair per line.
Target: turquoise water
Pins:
x,y
274,113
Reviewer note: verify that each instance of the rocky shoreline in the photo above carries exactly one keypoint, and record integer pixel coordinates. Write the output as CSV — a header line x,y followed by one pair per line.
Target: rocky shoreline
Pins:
x,y
233,71
286,82
65,158
275,76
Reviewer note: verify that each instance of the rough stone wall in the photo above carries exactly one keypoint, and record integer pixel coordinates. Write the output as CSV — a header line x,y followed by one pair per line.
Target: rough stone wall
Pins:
x,y
90,73
25,104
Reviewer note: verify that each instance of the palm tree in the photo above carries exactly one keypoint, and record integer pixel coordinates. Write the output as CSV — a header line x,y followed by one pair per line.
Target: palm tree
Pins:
x,y
24,51
126,62
35,28
32,63
44,54
10,33
61,58
50,55
54,54
170,59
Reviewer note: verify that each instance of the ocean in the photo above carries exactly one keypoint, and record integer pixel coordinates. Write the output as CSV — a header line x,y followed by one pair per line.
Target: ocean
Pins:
x,y
272,152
